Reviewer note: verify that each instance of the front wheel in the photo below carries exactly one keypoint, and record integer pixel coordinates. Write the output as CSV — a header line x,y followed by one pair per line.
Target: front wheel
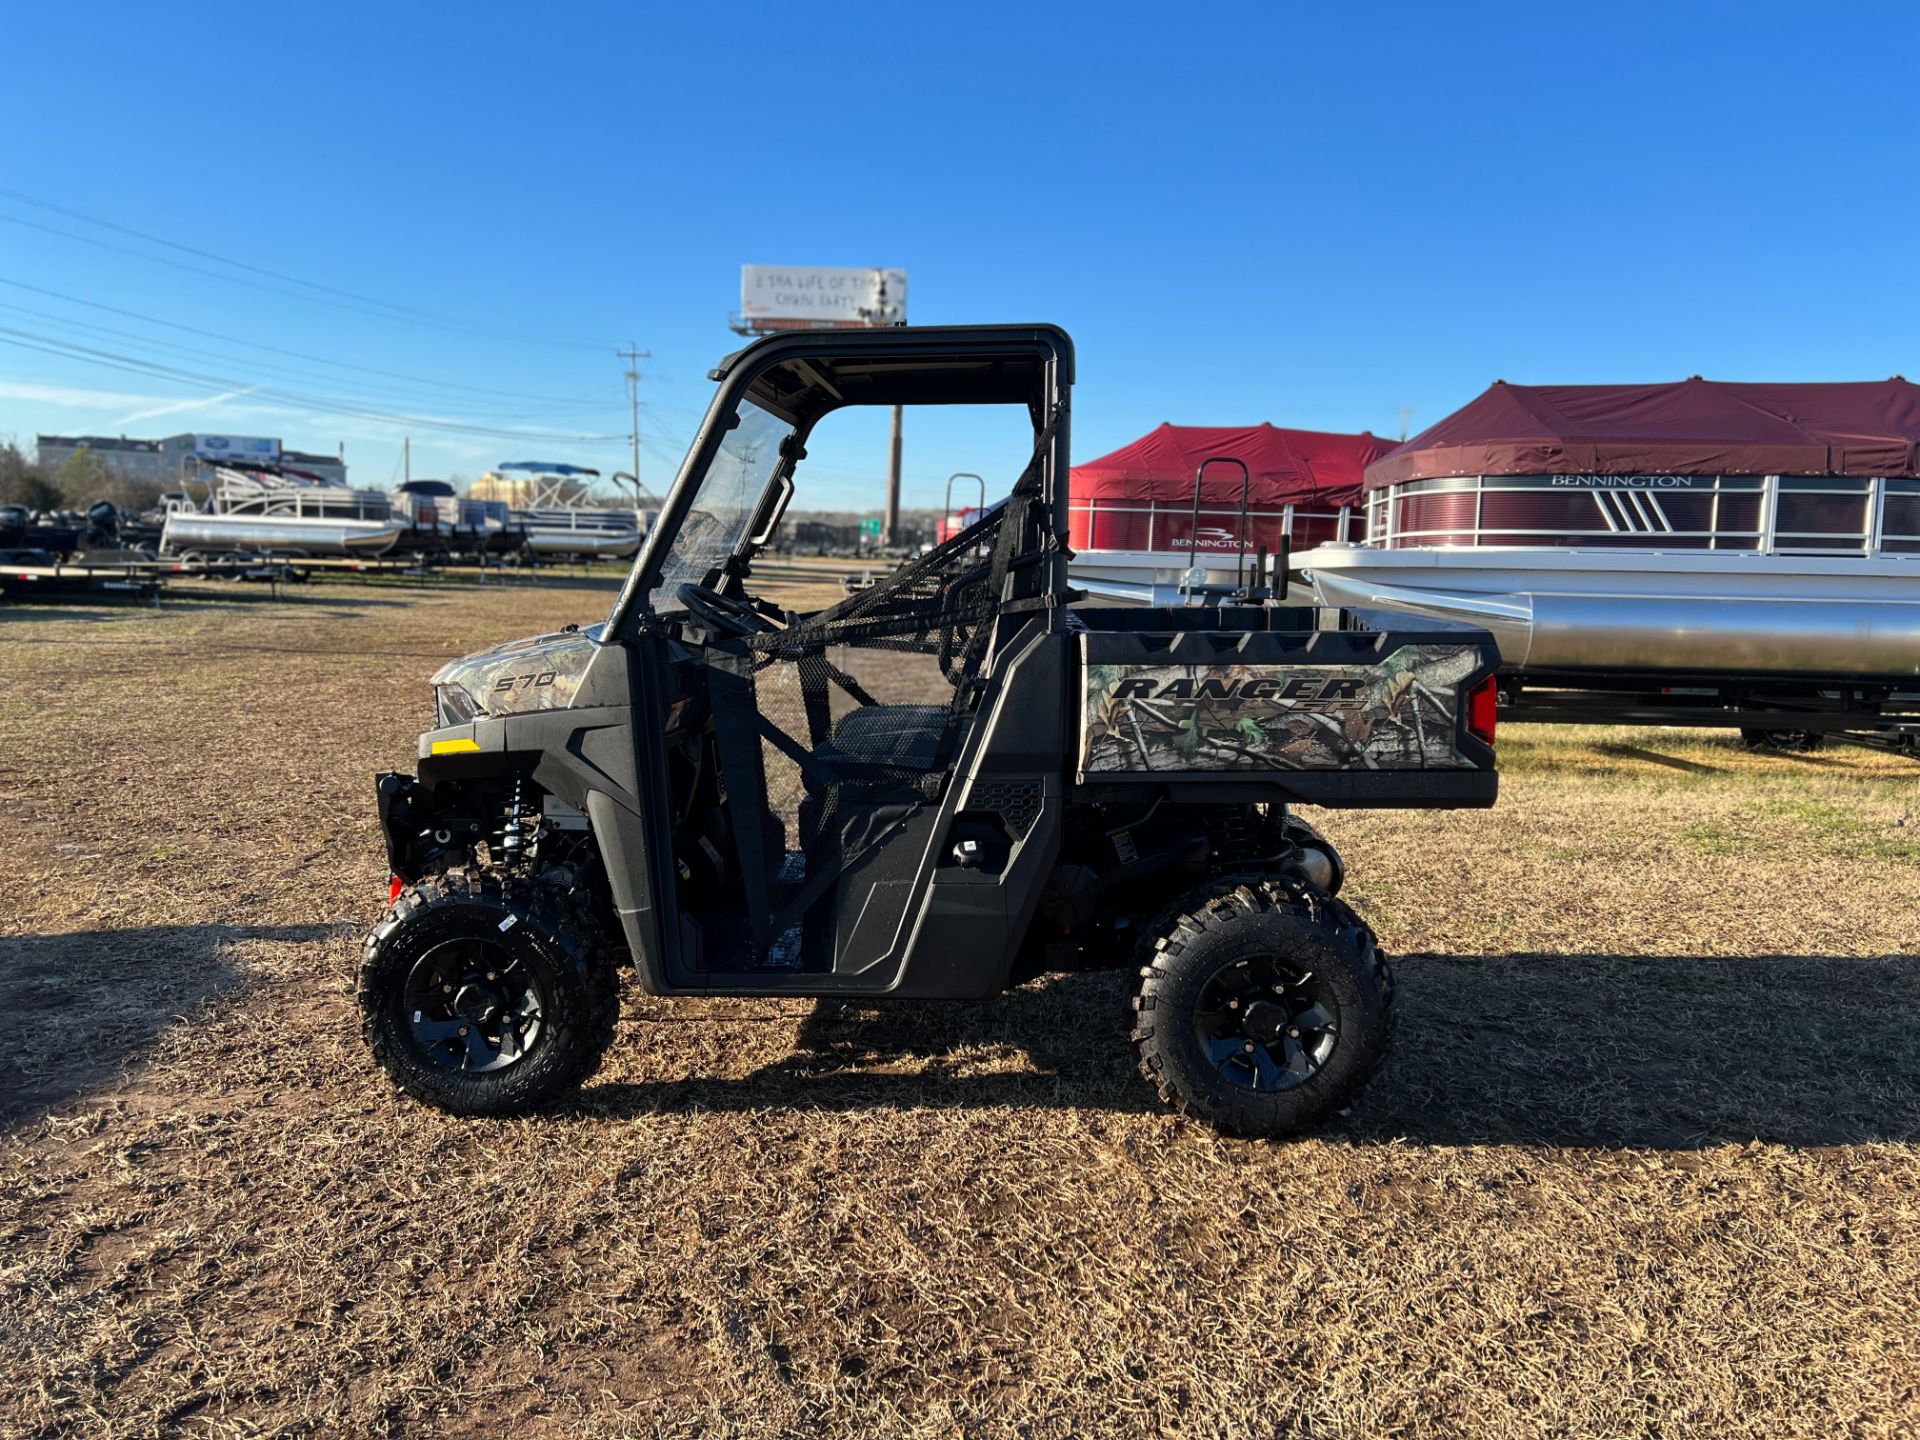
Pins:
x,y
480,999
1263,1009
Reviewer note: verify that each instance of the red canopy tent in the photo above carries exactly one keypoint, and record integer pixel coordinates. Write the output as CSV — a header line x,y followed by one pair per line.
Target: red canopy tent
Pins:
x,y
1140,497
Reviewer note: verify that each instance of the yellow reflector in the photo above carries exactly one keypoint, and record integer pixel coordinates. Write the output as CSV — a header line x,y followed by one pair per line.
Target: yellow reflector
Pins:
x,y
455,747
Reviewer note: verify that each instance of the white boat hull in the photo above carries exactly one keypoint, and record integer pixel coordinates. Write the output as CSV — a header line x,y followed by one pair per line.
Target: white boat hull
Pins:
x,y
1613,610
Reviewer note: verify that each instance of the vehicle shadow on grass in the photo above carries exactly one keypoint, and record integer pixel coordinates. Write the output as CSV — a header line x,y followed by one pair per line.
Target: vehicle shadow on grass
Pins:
x,y
1648,1051
1059,1041
82,1005
1657,1051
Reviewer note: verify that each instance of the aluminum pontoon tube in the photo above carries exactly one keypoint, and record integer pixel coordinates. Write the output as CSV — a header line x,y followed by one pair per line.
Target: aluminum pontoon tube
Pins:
x,y
1594,610
1509,621
543,540
315,536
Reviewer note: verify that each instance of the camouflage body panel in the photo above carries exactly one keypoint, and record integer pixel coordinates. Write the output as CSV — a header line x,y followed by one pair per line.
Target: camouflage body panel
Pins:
x,y
542,672
1399,713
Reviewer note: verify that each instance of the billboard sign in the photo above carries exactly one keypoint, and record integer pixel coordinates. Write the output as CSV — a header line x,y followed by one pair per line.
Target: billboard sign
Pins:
x,y
236,447
817,295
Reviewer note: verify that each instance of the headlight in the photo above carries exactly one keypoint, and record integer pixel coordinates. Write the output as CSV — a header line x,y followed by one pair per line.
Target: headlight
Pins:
x,y
451,706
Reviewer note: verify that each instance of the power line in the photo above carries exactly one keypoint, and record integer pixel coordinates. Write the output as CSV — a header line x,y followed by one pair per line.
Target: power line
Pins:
x,y
53,345
275,349
413,310
694,413
488,332
203,254
660,433
379,394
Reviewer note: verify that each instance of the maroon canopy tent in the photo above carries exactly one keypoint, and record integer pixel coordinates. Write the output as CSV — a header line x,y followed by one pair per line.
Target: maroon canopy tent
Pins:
x,y
1140,497
1693,427
1675,466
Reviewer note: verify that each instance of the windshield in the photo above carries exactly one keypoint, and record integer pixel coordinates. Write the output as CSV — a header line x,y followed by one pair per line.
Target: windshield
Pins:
x,y
724,505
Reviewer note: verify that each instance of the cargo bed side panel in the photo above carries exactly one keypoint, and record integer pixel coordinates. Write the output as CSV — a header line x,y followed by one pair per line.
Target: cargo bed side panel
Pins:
x,y
1329,717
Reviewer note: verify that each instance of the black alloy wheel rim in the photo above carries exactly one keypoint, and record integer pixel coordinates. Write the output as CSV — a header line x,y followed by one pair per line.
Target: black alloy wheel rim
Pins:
x,y
472,1006
1264,1025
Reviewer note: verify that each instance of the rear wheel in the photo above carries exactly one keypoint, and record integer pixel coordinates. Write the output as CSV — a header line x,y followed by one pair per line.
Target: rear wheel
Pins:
x,y
1263,1009
481,999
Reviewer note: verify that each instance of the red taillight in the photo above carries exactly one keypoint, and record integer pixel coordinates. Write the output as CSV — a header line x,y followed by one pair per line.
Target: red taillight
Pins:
x,y
393,890
1483,703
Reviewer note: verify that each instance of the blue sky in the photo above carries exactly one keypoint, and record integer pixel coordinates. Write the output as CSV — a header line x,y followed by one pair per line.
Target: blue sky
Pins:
x,y
1314,216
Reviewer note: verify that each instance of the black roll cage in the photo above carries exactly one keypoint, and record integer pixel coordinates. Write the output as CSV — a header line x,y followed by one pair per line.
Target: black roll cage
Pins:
x,y
802,376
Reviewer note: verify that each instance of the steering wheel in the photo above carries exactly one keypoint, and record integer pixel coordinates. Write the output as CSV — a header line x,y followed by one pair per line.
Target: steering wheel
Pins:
x,y
722,614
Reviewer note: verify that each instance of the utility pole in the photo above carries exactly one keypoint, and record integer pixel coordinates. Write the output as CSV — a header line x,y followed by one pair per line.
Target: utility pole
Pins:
x,y
406,460
633,355
891,525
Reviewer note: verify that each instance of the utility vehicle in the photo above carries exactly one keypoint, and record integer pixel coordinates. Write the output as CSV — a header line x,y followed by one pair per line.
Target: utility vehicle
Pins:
x,y
941,786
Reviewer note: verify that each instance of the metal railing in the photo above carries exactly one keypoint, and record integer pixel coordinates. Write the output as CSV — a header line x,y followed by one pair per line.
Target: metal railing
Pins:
x,y
303,503
1150,526
1767,514
581,518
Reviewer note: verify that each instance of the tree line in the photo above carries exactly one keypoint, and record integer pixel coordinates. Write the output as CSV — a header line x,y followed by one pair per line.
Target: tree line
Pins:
x,y
81,479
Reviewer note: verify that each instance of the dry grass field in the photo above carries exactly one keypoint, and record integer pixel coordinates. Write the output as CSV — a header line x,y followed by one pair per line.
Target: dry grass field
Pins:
x,y
1646,1160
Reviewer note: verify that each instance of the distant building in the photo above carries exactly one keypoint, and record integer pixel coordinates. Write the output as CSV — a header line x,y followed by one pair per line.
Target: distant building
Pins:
x,y
516,490
144,461
181,460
